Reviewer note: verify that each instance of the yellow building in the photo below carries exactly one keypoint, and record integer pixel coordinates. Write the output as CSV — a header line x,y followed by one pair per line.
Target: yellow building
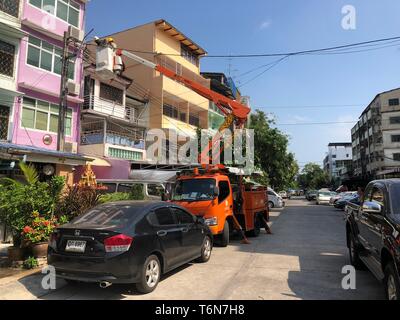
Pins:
x,y
172,105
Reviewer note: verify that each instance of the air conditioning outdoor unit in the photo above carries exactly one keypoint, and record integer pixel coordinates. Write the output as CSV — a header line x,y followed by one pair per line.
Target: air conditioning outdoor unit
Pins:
x,y
71,147
76,33
74,88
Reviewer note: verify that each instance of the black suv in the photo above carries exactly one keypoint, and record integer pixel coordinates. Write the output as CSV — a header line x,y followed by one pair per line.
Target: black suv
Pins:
x,y
373,233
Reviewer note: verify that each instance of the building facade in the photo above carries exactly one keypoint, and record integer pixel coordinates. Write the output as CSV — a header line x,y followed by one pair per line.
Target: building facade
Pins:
x,y
112,131
338,160
376,138
171,105
35,82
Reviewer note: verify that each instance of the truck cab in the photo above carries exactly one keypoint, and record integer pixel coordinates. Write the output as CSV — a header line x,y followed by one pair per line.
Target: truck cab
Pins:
x,y
373,233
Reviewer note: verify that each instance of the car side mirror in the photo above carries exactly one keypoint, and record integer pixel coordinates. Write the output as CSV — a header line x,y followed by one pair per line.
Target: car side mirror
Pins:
x,y
200,220
372,208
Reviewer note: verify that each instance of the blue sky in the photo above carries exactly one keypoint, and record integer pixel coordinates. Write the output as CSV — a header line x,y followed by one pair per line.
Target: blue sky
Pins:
x,y
265,26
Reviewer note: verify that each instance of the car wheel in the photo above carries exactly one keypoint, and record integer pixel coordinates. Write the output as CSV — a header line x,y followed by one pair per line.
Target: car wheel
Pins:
x,y
271,205
354,254
151,274
206,250
224,237
392,285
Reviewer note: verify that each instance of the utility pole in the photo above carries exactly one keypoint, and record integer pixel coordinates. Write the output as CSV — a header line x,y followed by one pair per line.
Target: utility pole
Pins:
x,y
63,94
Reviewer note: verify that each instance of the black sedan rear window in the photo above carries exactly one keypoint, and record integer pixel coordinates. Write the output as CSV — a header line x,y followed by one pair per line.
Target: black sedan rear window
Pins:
x,y
107,216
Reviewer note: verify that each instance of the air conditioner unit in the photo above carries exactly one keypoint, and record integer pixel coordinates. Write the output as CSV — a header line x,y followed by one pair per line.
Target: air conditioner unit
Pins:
x,y
71,147
76,33
74,88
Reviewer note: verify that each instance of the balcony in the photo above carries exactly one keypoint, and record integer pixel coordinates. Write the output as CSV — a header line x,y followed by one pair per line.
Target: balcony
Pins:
x,y
10,7
113,109
104,132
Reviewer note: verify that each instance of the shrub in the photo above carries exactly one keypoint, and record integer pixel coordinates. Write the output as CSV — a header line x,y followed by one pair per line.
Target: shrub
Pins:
x,y
39,230
137,192
77,201
31,263
115,197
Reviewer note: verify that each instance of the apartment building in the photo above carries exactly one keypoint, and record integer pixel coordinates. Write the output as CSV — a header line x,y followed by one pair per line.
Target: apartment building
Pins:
x,y
112,131
171,105
338,160
376,138
33,73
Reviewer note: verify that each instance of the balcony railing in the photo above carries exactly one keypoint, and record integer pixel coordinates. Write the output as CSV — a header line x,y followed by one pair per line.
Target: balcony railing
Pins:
x,y
4,120
10,7
112,109
93,133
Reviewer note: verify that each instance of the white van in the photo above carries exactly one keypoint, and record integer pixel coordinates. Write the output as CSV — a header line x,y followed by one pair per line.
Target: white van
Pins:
x,y
152,191
274,200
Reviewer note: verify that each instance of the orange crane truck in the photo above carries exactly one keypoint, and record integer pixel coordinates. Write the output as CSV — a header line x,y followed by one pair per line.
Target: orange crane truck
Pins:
x,y
222,199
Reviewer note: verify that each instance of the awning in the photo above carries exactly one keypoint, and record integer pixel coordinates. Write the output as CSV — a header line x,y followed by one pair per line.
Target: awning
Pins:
x,y
99,162
153,176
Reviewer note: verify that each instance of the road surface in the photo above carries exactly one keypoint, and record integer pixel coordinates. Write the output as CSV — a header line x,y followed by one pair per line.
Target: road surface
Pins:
x,y
302,260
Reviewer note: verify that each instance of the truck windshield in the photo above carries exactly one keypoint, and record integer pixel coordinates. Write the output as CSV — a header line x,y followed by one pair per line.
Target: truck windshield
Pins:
x,y
194,190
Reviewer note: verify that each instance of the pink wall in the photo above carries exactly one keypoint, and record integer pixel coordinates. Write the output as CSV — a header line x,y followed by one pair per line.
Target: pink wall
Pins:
x,y
119,170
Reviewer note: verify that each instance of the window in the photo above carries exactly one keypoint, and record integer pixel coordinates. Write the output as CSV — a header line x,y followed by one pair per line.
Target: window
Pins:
x,y
44,55
7,56
163,217
170,111
224,191
182,116
377,196
66,10
182,216
394,102
155,190
10,7
4,120
394,120
188,54
396,138
111,93
194,120
334,156
125,154
42,115
396,156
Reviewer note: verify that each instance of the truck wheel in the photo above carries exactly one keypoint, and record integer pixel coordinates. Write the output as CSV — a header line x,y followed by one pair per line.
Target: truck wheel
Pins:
x,y
224,240
257,227
392,285
354,254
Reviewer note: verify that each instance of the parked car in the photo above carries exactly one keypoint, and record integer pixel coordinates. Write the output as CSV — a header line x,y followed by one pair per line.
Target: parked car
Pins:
x,y
323,197
274,200
311,195
339,196
352,198
283,194
129,242
373,233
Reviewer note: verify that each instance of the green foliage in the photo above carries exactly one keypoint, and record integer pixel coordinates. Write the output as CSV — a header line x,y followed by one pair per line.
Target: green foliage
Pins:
x,y
271,153
63,220
77,201
114,197
30,173
137,192
31,263
313,177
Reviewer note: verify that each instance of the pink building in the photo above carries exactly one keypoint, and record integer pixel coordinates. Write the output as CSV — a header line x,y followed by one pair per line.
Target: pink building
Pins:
x,y
34,118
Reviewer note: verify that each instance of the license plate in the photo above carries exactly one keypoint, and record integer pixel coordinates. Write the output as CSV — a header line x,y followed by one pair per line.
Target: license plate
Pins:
x,y
76,246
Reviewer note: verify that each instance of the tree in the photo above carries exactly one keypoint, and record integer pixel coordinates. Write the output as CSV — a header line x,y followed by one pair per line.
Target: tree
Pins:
x,y
271,153
313,177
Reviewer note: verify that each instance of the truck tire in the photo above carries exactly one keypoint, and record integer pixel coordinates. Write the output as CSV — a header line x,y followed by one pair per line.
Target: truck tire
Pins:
x,y
391,282
224,237
354,254
257,228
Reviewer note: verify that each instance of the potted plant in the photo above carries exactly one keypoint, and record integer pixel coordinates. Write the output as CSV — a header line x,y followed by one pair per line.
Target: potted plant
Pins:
x,y
37,234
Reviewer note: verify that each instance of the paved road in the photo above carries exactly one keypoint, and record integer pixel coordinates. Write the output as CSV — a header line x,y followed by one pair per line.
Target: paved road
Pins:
x,y
302,260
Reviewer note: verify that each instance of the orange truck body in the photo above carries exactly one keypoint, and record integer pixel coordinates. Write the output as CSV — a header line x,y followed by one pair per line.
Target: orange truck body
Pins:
x,y
255,205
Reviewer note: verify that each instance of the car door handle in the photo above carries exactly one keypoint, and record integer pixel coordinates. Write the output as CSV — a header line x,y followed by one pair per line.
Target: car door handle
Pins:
x,y
162,233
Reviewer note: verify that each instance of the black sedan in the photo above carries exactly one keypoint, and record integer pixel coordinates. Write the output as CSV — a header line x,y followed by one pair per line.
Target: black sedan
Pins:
x,y
129,242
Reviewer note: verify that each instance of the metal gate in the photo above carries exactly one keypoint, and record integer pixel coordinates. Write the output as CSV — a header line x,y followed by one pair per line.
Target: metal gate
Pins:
x,y
4,120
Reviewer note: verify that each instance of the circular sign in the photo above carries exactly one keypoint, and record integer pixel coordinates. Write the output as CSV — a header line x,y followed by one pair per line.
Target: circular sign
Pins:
x,y
47,139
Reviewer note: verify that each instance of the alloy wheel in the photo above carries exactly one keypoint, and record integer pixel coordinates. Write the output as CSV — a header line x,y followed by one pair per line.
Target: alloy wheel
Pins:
x,y
152,273
207,248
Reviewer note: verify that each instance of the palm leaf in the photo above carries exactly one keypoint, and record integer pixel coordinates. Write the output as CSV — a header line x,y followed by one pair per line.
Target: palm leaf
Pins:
x,y
30,173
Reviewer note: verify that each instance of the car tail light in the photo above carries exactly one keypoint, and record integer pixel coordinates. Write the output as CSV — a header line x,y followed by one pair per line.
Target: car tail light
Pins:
x,y
119,243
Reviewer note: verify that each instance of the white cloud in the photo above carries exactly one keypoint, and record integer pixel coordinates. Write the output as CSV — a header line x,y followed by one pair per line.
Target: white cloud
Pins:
x,y
265,24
